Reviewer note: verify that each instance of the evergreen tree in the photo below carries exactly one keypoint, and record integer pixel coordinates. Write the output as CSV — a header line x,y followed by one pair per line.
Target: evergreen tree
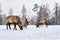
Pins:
x,y
10,11
24,11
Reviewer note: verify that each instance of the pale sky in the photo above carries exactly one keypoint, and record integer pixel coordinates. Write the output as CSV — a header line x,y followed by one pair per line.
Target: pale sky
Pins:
x,y
16,5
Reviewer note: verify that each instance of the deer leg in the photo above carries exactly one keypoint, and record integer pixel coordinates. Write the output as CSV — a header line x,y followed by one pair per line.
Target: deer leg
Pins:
x,y
9,26
37,25
46,24
21,27
15,27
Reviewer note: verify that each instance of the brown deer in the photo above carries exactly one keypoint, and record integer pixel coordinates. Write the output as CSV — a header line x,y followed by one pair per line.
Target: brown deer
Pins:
x,y
42,22
14,20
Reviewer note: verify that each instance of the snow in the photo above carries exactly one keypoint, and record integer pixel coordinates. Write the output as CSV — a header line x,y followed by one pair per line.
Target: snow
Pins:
x,y
31,33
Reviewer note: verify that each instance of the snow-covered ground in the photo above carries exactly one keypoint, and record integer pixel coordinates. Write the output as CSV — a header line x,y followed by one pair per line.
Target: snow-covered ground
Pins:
x,y
31,33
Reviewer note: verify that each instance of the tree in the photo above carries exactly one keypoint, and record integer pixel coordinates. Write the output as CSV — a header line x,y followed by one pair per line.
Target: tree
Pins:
x,y
31,21
51,21
0,15
57,14
0,9
10,11
0,19
35,7
4,19
24,11
43,12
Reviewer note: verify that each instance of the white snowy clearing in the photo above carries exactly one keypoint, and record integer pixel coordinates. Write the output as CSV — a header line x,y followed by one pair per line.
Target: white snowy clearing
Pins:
x,y
31,33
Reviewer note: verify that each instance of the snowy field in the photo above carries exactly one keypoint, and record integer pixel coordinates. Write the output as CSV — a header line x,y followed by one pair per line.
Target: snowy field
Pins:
x,y
31,33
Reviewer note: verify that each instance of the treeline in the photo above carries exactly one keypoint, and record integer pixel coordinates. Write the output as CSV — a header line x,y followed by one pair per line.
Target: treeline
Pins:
x,y
42,11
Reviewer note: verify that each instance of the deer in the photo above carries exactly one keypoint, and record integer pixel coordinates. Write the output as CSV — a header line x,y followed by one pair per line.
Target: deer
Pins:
x,y
15,20
42,22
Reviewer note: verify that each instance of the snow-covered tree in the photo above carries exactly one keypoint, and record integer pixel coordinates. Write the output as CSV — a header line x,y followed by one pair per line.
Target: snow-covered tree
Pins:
x,y
4,19
10,11
24,11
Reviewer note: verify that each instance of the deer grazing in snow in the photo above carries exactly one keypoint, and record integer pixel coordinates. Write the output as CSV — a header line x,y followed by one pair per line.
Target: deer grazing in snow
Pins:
x,y
14,20
42,22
